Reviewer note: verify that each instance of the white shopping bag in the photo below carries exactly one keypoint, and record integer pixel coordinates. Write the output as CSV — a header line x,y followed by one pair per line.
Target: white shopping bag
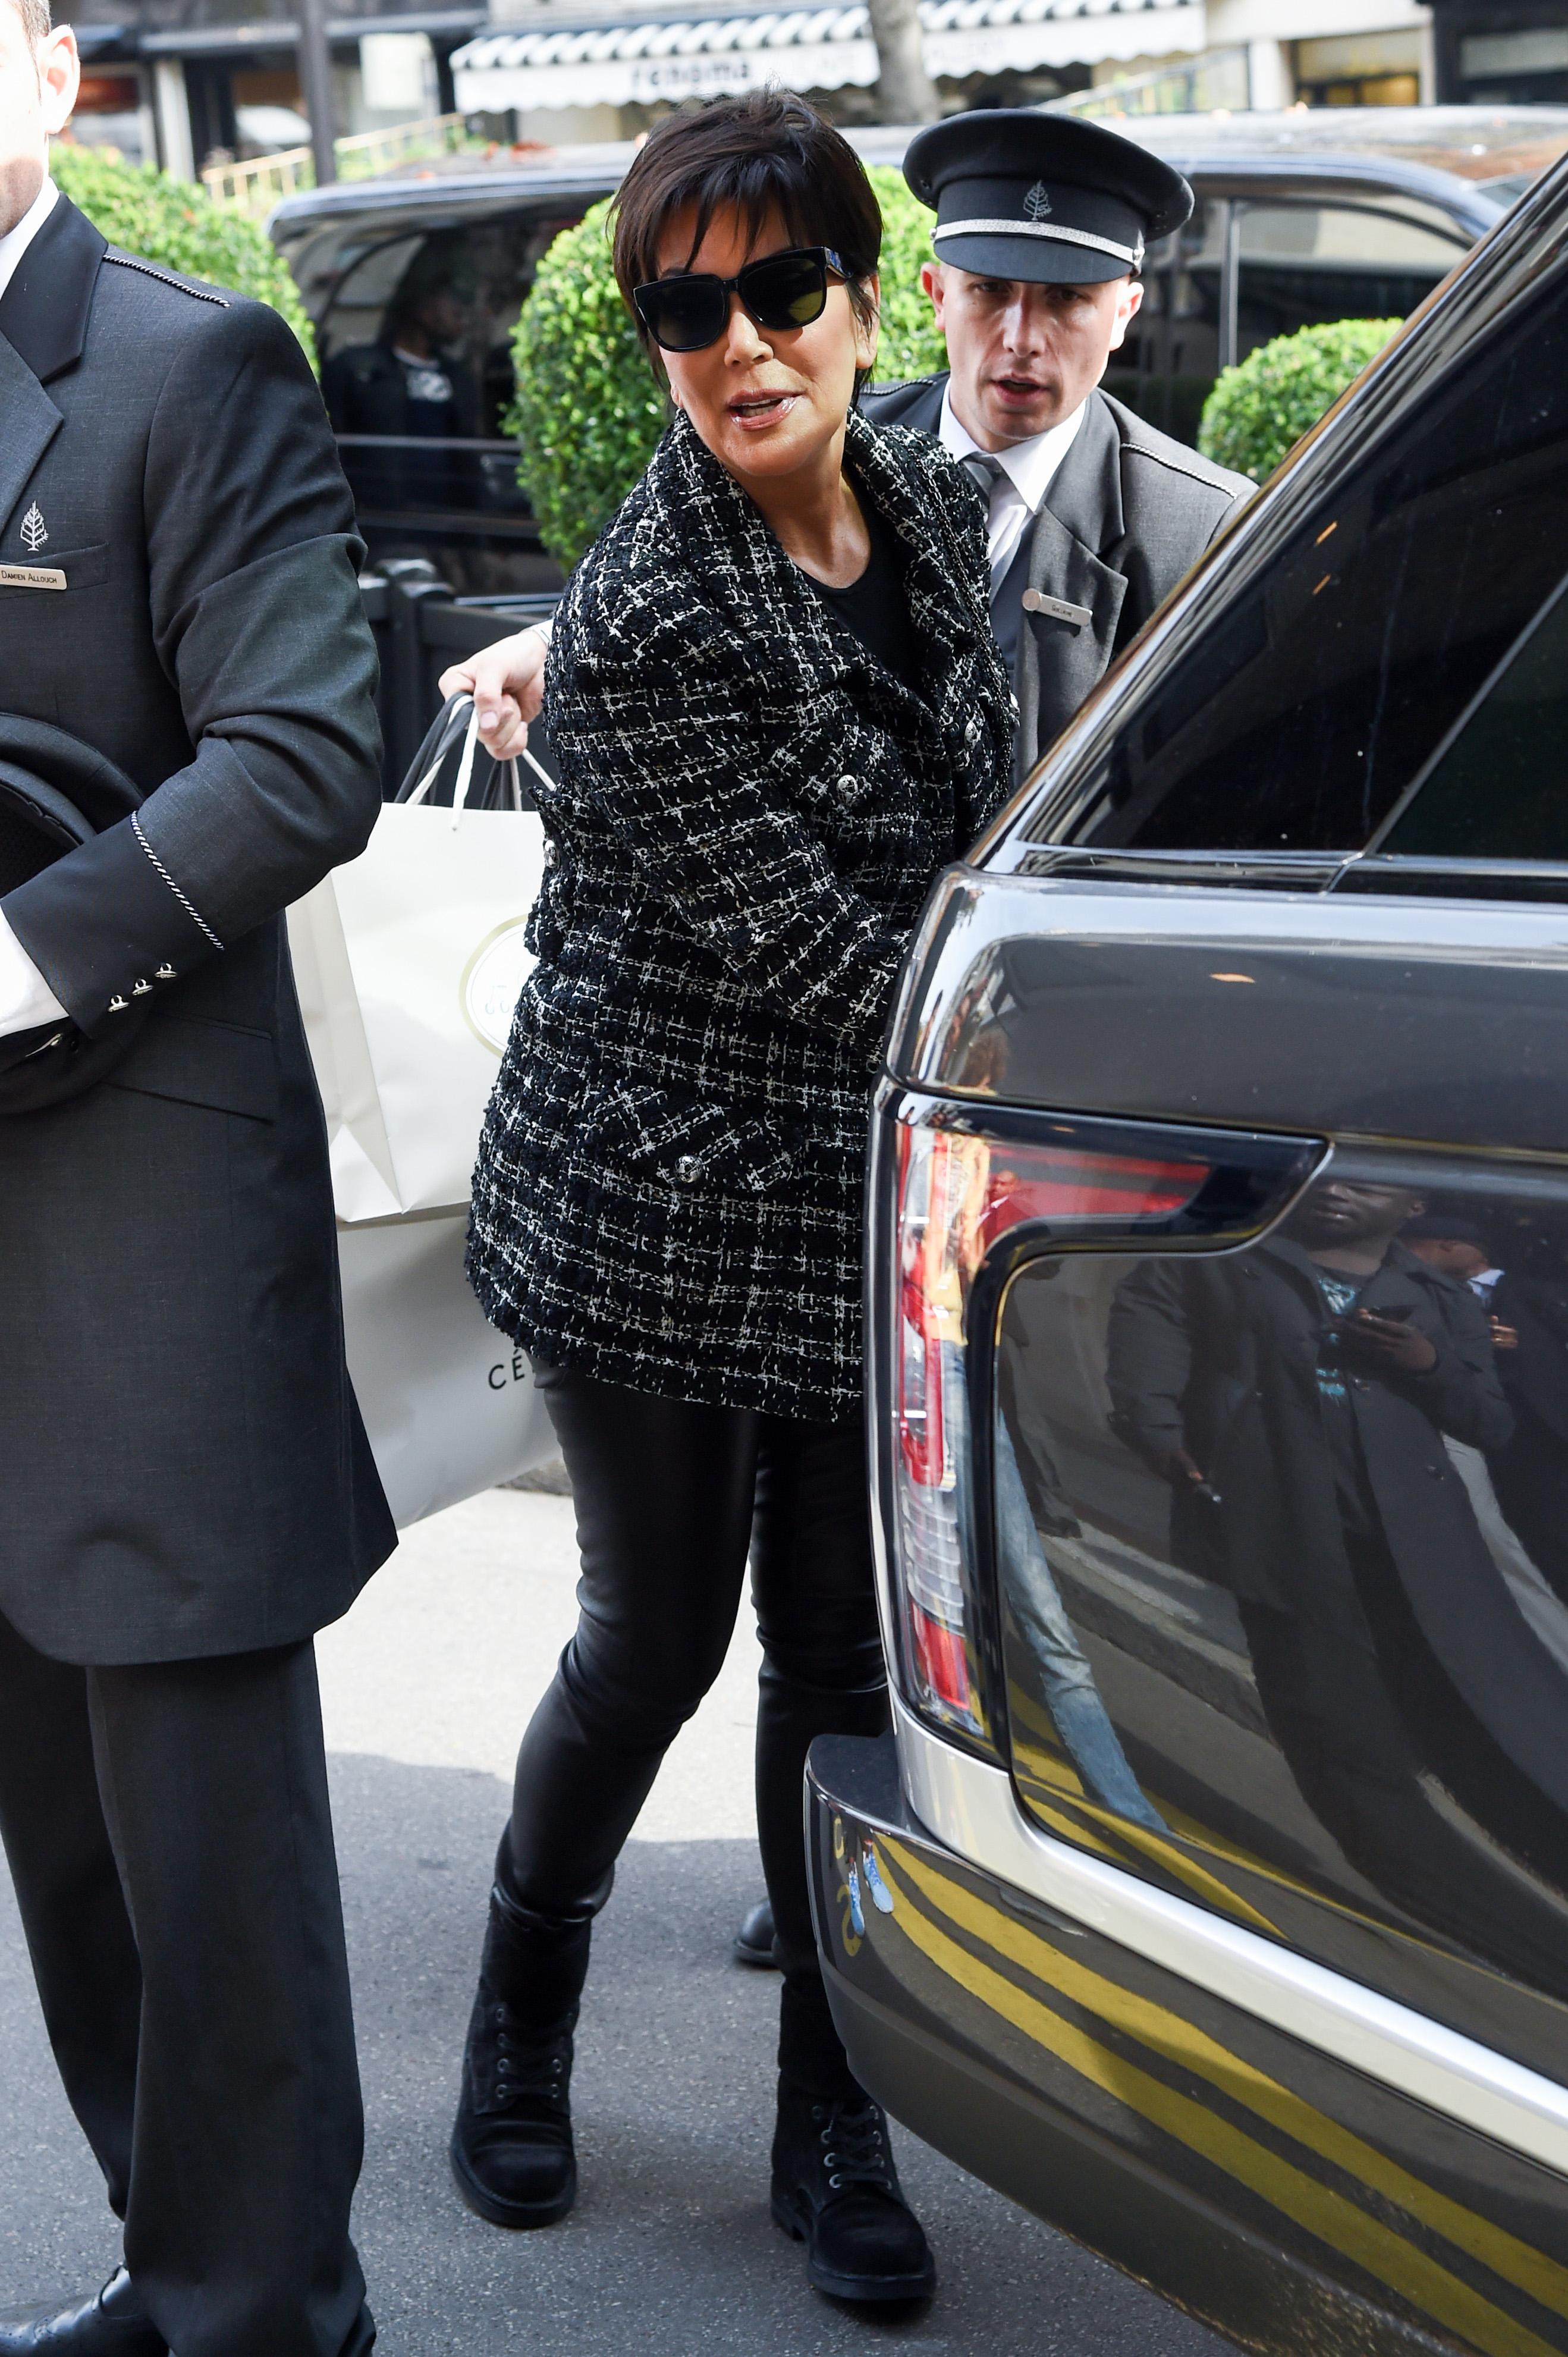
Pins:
x,y
448,1402
409,960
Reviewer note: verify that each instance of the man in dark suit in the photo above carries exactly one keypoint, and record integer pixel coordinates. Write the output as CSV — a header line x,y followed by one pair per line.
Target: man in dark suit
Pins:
x,y
1041,226
189,1494
1530,1327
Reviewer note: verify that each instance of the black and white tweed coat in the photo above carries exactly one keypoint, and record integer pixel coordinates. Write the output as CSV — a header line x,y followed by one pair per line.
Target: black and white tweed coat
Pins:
x,y
669,1189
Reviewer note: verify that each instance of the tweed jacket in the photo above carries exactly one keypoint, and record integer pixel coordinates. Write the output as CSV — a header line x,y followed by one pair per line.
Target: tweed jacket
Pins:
x,y
751,810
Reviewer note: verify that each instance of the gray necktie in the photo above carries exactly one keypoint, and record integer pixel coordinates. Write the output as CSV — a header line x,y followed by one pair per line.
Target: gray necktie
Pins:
x,y
984,471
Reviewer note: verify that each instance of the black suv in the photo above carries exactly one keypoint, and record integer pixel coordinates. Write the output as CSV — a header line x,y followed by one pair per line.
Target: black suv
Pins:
x,y
1211,1896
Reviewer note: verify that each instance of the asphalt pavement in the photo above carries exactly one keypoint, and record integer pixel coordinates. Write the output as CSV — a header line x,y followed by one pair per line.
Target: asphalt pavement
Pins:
x,y
671,2250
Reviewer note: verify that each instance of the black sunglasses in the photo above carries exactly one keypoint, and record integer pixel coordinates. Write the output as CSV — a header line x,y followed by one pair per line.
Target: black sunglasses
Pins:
x,y
688,312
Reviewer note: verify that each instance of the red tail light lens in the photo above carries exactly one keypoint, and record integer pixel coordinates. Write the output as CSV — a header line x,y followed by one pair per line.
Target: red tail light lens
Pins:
x,y
959,1192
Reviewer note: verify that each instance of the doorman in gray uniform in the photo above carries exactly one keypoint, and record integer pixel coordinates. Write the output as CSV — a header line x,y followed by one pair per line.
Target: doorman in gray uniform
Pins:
x,y
1042,221
187,1493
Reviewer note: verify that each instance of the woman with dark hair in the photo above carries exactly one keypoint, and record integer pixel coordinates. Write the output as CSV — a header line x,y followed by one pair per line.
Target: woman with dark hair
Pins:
x,y
778,711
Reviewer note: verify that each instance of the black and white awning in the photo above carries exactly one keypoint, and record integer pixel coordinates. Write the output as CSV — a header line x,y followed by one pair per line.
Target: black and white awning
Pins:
x,y
804,49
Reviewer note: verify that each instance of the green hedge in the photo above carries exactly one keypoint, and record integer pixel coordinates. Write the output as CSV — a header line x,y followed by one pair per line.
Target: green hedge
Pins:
x,y
1261,409
910,343
176,225
588,411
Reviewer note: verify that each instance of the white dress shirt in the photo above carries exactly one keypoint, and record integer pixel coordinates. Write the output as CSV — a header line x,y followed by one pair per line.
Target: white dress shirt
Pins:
x,y
1028,469
26,998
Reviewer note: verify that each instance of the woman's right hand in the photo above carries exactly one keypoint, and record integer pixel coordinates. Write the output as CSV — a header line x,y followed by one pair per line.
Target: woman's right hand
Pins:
x,y
507,683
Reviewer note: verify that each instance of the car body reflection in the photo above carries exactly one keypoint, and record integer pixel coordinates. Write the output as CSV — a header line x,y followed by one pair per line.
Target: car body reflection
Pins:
x,y
1284,1476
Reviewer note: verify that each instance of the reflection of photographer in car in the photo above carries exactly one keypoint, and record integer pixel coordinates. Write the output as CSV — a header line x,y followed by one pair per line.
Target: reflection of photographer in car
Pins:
x,y
1298,1396
1330,1351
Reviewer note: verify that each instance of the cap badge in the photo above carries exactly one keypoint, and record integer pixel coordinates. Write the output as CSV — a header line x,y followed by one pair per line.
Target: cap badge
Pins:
x,y
34,529
1037,203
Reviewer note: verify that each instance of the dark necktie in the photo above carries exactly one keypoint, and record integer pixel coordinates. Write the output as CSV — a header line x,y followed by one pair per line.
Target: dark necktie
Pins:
x,y
982,470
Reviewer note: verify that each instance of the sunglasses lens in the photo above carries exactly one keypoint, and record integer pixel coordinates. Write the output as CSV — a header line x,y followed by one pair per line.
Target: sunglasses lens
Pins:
x,y
789,290
683,314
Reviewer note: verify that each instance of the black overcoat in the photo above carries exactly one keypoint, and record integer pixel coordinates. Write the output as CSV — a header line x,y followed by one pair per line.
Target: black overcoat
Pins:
x,y
183,1467
1128,512
1218,1355
751,812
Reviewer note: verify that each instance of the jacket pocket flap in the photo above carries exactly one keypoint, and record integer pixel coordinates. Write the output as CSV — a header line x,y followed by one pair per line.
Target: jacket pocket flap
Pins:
x,y
668,1134
204,1063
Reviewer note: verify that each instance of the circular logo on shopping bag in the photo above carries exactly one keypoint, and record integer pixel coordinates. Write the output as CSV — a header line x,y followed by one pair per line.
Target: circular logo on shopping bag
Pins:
x,y
491,981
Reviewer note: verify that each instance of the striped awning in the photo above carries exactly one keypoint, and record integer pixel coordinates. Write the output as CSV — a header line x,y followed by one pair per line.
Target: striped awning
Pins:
x,y
804,49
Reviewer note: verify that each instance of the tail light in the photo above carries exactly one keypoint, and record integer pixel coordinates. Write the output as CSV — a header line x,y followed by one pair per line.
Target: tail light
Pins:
x,y
963,1182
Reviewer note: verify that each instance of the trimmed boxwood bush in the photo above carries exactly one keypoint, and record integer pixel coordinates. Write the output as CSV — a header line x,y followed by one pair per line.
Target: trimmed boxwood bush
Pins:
x,y
176,225
910,343
1261,409
588,411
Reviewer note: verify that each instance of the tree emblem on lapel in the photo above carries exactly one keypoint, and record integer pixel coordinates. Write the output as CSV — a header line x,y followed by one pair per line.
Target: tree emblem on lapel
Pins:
x,y
34,529
1037,203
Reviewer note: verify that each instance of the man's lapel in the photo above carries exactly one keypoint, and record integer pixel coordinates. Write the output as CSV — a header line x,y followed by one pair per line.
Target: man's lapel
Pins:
x,y
44,310
43,329
1060,657
32,421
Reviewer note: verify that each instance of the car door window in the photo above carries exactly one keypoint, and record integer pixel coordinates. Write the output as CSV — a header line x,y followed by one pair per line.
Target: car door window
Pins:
x,y
1304,263
416,340
1333,669
1167,366
1497,790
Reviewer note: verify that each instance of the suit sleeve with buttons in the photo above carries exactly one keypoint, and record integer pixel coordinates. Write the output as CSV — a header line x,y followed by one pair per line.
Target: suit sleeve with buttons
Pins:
x,y
257,618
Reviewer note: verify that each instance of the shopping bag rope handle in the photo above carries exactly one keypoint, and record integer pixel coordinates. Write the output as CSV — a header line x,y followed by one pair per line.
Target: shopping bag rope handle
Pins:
x,y
463,703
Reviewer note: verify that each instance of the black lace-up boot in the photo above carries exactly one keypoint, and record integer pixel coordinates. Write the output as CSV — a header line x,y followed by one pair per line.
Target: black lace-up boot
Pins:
x,y
836,2190
511,2145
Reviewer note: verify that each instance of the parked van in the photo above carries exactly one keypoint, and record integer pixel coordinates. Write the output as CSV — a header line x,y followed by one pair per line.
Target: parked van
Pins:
x,y
415,285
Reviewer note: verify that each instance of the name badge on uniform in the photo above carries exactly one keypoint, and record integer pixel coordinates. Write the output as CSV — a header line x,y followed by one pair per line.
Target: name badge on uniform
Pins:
x,y
1058,608
31,576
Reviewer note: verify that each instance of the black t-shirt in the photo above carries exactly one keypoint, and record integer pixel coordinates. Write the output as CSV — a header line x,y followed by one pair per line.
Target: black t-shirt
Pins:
x,y
876,607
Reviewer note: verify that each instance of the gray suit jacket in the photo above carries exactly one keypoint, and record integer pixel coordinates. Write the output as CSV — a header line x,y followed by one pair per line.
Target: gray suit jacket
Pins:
x,y
1129,513
183,1466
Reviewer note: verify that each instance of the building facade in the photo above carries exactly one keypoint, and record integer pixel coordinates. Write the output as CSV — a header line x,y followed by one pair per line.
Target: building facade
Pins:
x,y
185,83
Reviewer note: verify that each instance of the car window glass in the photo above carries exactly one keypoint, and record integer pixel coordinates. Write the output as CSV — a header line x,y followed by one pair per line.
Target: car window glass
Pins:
x,y
365,276
416,334
1171,356
1352,237
1335,670
1296,264
450,297
1497,791
1302,264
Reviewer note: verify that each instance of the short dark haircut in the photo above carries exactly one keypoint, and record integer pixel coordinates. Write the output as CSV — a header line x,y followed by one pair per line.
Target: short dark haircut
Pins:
x,y
763,152
35,15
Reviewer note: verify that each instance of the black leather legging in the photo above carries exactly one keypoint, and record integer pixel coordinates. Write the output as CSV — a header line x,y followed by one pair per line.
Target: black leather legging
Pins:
x,y
671,1496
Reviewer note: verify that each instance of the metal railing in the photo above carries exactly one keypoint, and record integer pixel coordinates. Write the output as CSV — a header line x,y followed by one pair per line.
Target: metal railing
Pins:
x,y
253,187
420,628
1215,81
